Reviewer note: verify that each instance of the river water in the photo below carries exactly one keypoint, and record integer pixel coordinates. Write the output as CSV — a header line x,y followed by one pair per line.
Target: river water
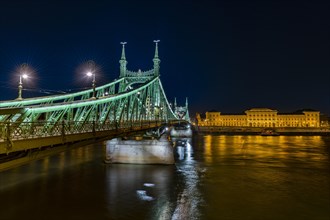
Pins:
x,y
215,177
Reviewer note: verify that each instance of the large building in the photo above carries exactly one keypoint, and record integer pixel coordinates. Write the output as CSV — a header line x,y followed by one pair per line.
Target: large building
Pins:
x,y
261,117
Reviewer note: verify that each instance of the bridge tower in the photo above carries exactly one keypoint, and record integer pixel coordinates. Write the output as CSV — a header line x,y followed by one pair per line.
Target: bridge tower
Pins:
x,y
153,100
156,59
122,61
187,111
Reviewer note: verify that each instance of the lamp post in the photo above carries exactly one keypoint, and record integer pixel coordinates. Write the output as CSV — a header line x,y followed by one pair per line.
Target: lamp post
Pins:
x,y
91,73
22,76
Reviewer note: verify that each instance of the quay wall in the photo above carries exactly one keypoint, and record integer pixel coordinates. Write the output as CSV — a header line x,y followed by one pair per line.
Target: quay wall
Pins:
x,y
258,130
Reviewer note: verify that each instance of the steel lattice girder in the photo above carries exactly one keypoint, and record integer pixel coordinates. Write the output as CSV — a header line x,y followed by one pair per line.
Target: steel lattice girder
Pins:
x,y
131,105
82,95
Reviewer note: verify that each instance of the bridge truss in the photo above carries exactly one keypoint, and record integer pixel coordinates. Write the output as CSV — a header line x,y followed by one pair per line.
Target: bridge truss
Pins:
x,y
136,100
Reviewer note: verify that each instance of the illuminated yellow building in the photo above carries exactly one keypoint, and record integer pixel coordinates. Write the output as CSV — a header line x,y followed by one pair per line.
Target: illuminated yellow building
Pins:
x,y
261,117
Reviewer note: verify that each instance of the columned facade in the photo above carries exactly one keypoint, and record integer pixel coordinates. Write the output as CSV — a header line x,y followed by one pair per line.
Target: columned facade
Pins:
x,y
262,117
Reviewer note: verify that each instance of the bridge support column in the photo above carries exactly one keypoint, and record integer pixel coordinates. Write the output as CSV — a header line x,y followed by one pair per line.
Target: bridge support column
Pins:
x,y
140,151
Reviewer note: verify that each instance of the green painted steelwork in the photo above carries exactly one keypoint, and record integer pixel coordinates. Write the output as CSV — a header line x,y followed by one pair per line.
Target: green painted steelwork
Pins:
x,y
81,95
133,99
29,136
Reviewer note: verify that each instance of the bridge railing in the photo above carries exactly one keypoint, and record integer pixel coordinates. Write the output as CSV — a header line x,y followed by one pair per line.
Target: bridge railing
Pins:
x,y
31,130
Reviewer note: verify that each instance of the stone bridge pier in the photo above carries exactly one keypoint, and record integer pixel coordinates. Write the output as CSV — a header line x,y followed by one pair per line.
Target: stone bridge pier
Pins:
x,y
140,150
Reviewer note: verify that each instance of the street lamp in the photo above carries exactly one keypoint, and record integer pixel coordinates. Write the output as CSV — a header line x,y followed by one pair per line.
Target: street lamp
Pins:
x,y
22,76
20,85
91,73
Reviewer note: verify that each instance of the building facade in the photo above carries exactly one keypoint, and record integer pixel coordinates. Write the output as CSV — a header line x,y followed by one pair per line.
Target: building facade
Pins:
x,y
261,117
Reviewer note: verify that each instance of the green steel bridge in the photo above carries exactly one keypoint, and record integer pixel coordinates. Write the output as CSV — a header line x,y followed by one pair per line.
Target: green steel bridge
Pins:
x,y
135,102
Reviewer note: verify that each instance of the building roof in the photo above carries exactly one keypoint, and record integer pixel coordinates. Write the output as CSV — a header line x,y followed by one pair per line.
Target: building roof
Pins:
x,y
213,110
306,110
242,113
260,109
298,112
291,113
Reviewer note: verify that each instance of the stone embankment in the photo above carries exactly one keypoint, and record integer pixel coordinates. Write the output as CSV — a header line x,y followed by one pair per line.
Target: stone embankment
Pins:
x,y
258,130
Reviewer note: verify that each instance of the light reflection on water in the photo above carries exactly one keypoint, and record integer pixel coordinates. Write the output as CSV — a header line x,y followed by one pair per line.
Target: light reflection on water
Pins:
x,y
189,199
266,151
255,177
215,177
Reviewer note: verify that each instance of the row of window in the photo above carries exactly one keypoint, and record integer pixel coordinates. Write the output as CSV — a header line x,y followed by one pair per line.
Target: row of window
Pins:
x,y
265,115
278,118
258,124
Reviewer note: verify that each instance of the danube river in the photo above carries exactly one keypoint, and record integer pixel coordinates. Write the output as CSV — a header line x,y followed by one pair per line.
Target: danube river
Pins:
x,y
215,177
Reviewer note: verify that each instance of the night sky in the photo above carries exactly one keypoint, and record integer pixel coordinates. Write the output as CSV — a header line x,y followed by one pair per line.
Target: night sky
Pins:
x,y
223,55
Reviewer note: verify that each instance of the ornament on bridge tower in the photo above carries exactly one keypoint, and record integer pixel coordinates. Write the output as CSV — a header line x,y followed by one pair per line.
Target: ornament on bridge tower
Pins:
x,y
123,61
187,111
156,59
182,111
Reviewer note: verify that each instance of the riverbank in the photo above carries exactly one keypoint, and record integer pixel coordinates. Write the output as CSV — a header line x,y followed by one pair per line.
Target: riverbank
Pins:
x,y
257,131
24,157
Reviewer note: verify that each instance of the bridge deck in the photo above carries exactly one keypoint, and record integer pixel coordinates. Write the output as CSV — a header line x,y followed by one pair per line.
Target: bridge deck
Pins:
x,y
18,139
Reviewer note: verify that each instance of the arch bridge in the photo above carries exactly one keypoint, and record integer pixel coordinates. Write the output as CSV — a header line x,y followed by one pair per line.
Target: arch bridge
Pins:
x,y
135,102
